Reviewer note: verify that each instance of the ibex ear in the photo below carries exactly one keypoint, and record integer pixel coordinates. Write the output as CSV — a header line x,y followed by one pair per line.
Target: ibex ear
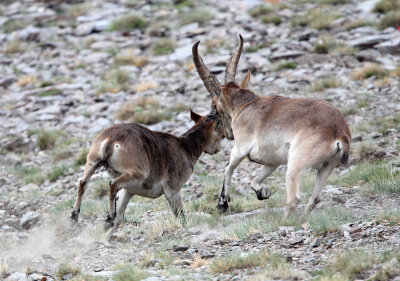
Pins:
x,y
246,80
194,116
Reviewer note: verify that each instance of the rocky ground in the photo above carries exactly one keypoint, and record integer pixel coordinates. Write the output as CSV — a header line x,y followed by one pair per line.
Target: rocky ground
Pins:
x,y
72,68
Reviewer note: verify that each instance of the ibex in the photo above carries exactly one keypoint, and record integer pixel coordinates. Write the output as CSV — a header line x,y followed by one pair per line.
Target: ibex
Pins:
x,y
302,133
148,163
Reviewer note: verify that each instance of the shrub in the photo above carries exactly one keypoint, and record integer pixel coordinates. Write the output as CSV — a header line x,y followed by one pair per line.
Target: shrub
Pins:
x,y
128,23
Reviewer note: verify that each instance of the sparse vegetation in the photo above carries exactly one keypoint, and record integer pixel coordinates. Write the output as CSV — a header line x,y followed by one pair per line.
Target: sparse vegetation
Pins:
x,y
391,19
357,23
353,109
56,172
47,138
81,158
3,268
348,264
375,178
30,174
370,70
273,265
14,46
317,19
163,47
129,273
329,220
115,81
146,110
325,83
389,214
50,92
195,15
128,23
287,65
255,47
129,57
13,25
266,14
65,269
385,6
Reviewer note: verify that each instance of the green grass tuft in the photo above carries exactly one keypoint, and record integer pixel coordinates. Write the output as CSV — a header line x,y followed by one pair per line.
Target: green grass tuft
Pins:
x,y
391,19
128,23
129,273
65,269
163,47
195,15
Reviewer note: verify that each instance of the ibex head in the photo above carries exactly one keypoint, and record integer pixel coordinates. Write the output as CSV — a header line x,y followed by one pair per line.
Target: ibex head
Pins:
x,y
212,127
220,94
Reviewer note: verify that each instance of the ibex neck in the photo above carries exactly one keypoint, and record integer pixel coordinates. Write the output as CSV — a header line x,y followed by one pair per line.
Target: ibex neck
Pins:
x,y
237,97
195,141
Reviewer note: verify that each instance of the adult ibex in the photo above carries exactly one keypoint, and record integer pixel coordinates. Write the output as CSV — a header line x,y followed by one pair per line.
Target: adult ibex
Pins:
x,y
147,163
302,133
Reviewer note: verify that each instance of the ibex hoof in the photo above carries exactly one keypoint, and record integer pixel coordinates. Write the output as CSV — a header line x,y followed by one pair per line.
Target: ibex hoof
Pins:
x,y
263,193
223,207
109,221
108,225
74,216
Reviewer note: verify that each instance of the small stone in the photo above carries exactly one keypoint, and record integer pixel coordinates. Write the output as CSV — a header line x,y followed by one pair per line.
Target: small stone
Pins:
x,y
29,219
67,276
369,41
316,243
286,55
7,81
179,248
17,276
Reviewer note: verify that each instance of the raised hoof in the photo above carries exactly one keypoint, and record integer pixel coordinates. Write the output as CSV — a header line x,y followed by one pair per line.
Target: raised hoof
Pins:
x,y
222,207
74,216
263,193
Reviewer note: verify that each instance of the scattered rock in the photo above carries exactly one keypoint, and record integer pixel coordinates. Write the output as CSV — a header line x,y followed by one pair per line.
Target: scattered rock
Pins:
x,y
17,276
29,219
179,248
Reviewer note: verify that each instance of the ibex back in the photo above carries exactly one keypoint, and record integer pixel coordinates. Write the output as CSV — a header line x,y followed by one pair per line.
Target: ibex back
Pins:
x,y
271,131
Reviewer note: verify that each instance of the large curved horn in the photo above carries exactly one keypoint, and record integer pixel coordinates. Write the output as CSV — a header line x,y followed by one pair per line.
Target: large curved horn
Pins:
x,y
209,79
233,62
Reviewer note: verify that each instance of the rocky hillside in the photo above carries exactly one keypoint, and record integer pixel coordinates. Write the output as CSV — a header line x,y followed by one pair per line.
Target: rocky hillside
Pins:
x,y
72,68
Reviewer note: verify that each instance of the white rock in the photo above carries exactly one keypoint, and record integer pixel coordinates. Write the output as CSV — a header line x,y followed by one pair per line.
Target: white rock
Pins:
x,y
29,219
17,276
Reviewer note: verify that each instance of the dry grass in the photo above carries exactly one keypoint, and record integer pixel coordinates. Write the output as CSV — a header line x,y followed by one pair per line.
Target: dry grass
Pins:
x,y
145,86
28,80
77,10
65,269
130,108
115,81
389,214
325,83
129,57
14,46
198,261
4,272
370,70
357,23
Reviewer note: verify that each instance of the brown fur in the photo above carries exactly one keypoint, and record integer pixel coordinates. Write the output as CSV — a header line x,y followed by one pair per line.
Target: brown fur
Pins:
x,y
148,163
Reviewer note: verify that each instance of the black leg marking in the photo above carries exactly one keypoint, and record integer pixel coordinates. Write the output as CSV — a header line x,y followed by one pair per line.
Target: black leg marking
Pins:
x,y
223,205
263,193
109,221
74,215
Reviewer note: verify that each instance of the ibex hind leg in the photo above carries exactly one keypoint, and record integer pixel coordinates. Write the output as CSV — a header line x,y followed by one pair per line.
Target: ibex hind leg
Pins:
x,y
83,182
322,175
262,192
122,204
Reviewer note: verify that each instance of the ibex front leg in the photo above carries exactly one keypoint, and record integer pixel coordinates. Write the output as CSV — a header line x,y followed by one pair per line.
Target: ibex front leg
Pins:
x,y
127,179
234,161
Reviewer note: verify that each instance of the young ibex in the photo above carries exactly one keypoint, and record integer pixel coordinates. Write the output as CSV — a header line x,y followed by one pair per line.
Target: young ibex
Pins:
x,y
302,133
148,163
